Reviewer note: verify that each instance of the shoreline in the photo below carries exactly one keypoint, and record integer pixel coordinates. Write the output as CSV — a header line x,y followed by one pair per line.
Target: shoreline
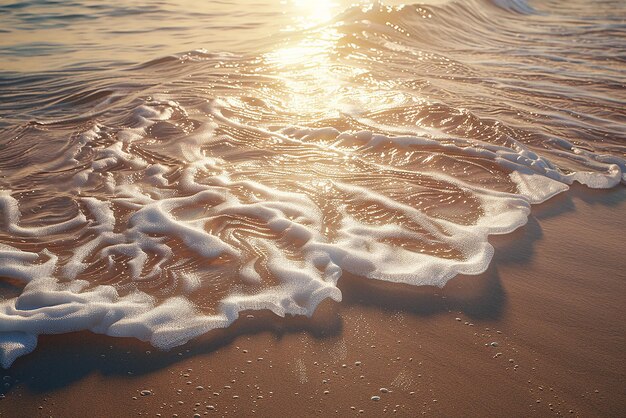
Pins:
x,y
551,300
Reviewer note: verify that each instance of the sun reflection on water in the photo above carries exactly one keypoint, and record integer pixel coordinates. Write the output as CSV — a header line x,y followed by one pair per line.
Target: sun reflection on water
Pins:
x,y
308,72
311,13
324,72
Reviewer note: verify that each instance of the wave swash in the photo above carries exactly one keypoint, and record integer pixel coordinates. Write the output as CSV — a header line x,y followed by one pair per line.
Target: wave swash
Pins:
x,y
159,201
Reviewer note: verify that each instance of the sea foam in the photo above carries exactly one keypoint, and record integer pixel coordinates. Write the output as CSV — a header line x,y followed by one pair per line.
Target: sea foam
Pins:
x,y
200,186
274,244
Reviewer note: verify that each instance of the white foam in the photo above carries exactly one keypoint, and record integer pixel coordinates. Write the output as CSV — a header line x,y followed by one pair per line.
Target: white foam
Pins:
x,y
14,345
9,209
190,203
25,266
535,187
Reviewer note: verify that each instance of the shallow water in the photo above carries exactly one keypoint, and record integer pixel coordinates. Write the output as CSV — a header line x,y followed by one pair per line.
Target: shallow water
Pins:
x,y
166,166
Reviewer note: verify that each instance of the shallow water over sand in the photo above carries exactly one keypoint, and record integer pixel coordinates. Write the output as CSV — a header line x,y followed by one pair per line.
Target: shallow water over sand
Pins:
x,y
159,197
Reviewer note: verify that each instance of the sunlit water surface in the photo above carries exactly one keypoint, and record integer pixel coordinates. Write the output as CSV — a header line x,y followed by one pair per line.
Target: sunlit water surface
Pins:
x,y
167,165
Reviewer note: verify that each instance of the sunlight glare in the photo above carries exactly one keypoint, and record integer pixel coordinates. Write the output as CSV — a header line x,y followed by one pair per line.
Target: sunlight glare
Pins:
x,y
312,13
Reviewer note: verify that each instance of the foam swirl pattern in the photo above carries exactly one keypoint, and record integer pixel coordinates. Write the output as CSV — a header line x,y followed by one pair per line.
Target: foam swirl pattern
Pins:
x,y
158,201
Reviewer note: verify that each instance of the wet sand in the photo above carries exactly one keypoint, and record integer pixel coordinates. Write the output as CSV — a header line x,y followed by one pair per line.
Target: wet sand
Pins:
x,y
540,333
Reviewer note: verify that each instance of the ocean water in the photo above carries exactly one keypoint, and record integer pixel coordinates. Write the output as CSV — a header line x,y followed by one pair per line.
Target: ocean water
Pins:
x,y
166,165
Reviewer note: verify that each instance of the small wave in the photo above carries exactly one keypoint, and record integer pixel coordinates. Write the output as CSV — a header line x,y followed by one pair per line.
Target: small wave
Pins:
x,y
160,200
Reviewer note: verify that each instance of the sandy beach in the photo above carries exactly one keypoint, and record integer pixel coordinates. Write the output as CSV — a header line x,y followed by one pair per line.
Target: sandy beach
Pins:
x,y
540,334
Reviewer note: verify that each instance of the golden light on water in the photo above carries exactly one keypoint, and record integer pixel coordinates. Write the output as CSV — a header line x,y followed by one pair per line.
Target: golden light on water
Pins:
x,y
309,74
321,77
317,83
310,13
313,81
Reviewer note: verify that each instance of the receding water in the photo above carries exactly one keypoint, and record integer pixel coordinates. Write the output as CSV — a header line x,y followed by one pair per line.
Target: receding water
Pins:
x,y
167,165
